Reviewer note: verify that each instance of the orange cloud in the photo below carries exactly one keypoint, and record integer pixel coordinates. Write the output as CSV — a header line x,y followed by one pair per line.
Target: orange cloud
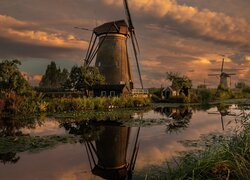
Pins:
x,y
10,28
37,77
191,20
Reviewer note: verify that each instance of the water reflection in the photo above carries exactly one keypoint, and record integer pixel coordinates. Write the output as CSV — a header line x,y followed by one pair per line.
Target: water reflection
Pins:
x,y
9,157
179,117
11,126
101,149
223,111
107,145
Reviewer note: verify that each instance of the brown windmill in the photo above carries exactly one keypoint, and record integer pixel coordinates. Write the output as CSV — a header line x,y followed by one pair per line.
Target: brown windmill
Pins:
x,y
223,76
111,51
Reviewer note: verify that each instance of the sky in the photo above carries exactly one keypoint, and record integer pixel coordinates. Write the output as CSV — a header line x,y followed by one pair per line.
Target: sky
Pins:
x,y
185,36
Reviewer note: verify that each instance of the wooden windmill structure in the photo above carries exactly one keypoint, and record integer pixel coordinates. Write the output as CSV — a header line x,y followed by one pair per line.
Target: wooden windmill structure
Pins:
x,y
111,51
223,76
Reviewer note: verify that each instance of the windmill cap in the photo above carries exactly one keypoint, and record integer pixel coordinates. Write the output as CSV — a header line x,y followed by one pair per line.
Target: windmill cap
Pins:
x,y
114,27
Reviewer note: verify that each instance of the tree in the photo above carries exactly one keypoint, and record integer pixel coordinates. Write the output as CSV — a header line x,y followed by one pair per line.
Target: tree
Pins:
x,y
240,85
180,83
11,79
53,78
83,78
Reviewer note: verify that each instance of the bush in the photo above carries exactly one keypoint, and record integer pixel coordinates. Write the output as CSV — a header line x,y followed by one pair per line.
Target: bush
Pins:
x,y
204,96
246,90
176,99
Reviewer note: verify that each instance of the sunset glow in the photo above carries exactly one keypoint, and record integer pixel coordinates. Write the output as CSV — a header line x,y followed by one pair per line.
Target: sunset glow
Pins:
x,y
174,35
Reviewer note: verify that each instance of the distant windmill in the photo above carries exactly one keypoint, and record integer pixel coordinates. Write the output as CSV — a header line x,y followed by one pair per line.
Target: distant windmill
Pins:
x,y
111,51
223,76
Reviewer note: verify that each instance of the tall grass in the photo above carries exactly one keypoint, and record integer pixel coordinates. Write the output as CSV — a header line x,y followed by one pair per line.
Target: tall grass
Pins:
x,y
228,159
15,104
99,103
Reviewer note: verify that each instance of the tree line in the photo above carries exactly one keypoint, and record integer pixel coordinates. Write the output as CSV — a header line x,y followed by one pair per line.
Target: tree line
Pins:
x,y
80,78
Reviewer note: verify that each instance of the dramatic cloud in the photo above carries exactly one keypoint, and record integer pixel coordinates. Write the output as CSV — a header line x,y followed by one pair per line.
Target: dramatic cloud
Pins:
x,y
185,36
18,38
240,59
192,22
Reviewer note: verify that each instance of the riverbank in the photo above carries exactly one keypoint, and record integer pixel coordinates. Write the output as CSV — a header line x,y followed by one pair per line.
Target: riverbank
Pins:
x,y
222,158
37,104
214,103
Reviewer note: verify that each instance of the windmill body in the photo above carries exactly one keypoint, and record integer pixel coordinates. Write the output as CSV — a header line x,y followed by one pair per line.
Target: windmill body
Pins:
x,y
112,56
224,79
223,76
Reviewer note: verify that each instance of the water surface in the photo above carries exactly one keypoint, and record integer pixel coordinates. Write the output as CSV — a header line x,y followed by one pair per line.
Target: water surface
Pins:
x,y
105,149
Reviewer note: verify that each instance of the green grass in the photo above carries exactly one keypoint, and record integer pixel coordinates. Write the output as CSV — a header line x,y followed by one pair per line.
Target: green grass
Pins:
x,y
15,104
224,159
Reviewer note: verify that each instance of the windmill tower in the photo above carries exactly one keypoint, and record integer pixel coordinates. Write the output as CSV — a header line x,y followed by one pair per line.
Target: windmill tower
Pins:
x,y
223,76
111,51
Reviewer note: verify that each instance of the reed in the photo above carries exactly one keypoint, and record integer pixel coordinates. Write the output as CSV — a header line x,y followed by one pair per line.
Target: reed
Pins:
x,y
15,104
226,159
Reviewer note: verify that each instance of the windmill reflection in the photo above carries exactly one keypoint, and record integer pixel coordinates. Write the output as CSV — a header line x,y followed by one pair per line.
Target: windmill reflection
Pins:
x,y
108,148
223,110
179,117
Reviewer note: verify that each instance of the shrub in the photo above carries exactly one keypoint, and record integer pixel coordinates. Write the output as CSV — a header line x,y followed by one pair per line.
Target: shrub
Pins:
x,y
246,90
204,96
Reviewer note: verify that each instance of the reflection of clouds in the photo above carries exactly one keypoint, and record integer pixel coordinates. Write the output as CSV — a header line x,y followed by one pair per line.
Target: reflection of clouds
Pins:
x,y
49,126
157,146
75,173
156,156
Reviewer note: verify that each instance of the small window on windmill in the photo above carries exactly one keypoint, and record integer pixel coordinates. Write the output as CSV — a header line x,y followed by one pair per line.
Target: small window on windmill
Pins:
x,y
112,93
122,82
99,64
103,93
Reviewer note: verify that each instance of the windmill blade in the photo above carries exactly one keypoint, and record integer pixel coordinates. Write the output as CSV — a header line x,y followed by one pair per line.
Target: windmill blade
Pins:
x,y
133,39
85,29
130,23
136,41
222,65
137,61
213,113
230,74
213,74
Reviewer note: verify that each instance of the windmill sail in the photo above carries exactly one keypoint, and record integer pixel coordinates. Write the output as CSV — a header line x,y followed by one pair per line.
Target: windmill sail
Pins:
x,y
133,39
222,66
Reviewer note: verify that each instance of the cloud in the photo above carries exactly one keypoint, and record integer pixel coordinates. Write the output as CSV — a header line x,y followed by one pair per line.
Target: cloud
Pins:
x,y
37,77
33,80
18,39
191,22
240,58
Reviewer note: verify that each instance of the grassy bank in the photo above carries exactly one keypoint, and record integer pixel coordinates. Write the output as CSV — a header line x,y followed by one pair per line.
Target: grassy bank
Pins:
x,y
35,104
223,159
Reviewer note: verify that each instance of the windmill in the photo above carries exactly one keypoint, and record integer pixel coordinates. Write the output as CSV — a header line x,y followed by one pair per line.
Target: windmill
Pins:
x,y
111,51
223,76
